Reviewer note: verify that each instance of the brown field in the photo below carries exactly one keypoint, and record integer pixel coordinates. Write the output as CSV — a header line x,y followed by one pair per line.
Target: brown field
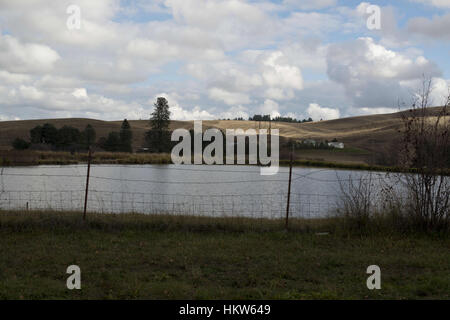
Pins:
x,y
366,137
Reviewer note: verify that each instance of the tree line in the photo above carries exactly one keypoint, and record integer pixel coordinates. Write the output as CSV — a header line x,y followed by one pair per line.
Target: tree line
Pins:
x,y
267,117
68,138
157,139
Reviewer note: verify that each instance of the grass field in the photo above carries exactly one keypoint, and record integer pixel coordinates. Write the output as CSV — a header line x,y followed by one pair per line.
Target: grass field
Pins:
x,y
163,257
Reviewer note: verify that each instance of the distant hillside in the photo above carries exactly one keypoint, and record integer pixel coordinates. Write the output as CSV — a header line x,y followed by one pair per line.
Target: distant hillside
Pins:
x,y
373,133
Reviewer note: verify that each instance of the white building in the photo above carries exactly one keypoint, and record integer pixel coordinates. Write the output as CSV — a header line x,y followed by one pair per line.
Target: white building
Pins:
x,y
337,145
310,141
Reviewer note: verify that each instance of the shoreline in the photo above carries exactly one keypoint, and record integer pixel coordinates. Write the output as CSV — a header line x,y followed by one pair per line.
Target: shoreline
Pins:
x,y
158,159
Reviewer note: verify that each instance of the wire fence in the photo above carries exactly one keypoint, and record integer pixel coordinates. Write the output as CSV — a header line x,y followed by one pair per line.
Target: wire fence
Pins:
x,y
191,191
243,205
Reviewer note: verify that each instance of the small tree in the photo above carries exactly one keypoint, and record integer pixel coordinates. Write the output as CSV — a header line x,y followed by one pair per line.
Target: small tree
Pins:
x,y
126,136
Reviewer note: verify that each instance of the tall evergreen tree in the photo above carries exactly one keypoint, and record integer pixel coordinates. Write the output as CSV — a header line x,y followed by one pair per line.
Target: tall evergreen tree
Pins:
x,y
89,135
126,136
158,139
160,119
112,143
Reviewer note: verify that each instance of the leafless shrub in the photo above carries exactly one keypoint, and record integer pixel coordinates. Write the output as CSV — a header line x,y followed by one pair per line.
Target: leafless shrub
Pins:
x,y
356,201
425,156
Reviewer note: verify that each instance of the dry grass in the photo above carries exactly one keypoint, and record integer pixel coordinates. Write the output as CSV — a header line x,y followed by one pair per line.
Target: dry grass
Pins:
x,y
53,157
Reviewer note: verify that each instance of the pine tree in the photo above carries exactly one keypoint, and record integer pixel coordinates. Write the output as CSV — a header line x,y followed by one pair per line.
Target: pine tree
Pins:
x,y
126,136
112,143
160,119
89,135
158,139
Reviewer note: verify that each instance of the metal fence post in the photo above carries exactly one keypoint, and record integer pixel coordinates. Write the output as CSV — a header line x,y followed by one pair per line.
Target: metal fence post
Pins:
x,y
87,183
289,189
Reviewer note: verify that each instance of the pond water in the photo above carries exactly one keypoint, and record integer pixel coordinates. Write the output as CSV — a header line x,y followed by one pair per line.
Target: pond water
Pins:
x,y
176,189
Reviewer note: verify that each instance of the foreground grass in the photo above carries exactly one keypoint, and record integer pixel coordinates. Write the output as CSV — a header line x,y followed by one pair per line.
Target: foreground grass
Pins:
x,y
164,257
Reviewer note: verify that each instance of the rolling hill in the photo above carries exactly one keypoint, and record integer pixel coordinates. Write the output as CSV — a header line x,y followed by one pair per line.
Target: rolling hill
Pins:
x,y
370,135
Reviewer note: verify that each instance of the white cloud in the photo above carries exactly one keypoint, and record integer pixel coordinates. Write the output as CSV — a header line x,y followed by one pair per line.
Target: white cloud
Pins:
x,y
311,23
19,57
179,113
372,74
435,3
234,112
13,78
316,112
230,98
370,111
436,28
279,94
440,91
271,108
280,74
80,93
310,4
30,93
217,58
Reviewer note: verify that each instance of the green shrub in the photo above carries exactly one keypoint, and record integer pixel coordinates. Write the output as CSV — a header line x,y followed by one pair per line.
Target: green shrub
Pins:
x,y
20,144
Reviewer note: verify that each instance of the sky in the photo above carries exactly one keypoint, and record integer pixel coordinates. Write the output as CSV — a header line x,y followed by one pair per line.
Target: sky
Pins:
x,y
215,59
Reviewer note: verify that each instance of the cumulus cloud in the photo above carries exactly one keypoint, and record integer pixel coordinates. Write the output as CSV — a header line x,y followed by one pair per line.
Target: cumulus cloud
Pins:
x,y
435,3
440,91
370,111
80,93
317,112
179,113
372,75
278,73
215,58
271,108
230,98
310,4
234,112
436,28
19,57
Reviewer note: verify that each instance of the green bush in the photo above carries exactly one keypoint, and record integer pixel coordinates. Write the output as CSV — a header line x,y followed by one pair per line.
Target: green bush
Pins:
x,y
20,144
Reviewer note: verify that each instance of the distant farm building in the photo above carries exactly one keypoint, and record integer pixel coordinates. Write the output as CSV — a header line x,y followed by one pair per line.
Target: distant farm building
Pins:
x,y
337,145
310,141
